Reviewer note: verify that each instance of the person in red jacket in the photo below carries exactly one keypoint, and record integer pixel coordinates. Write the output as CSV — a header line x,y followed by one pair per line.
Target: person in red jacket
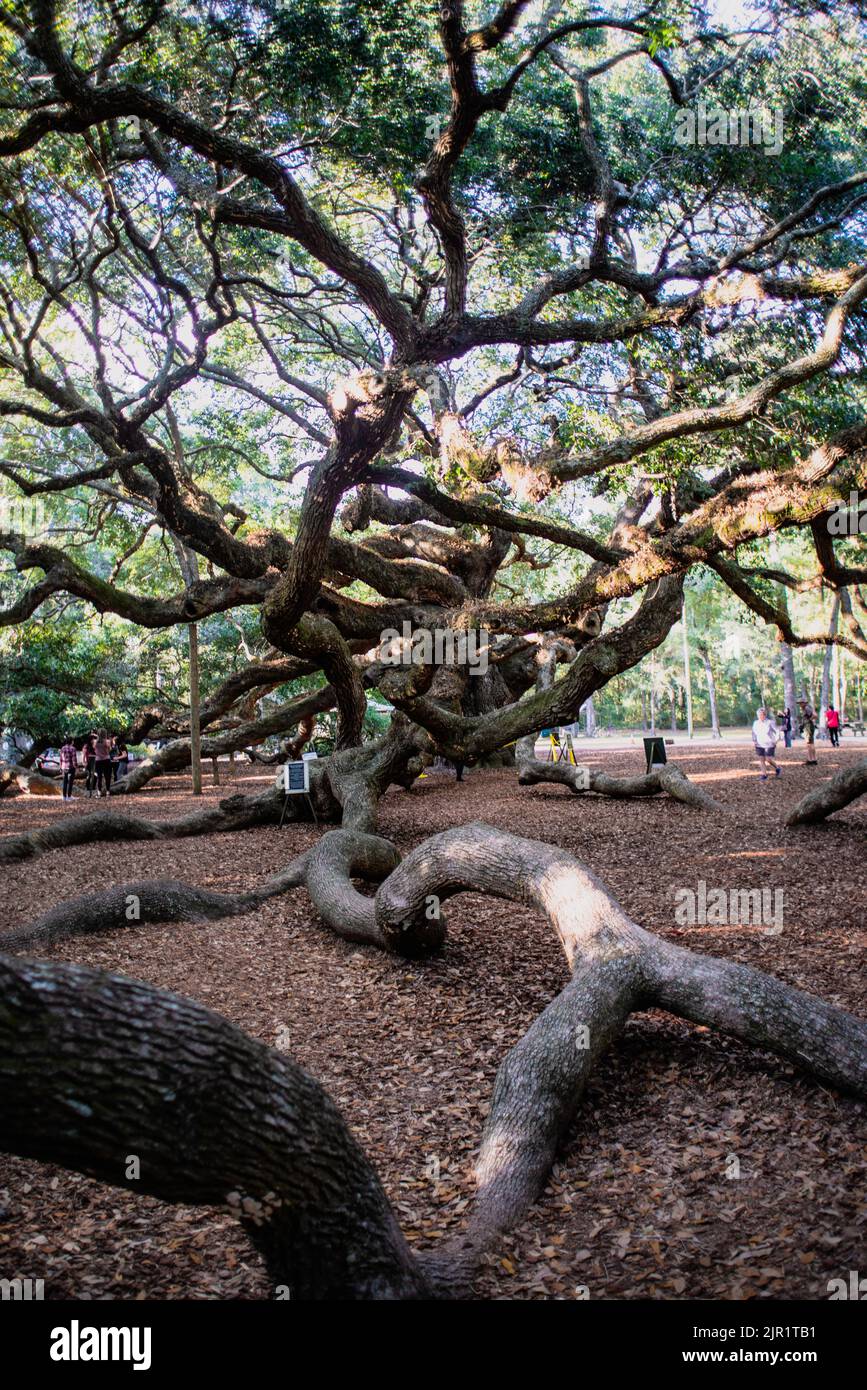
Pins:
x,y
832,723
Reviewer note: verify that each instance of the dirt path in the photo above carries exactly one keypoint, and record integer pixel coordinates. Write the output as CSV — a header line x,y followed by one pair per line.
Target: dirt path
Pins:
x,y
644,1202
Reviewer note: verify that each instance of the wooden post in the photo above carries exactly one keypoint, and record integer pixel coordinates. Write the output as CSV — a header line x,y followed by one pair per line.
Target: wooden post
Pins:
x,y
195,733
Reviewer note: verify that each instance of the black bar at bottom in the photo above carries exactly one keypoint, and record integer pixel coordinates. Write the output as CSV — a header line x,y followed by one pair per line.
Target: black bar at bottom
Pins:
x,y
264,1339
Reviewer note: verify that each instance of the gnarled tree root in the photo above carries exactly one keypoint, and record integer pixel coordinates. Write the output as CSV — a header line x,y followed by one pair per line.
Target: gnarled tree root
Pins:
x,y
316,1210
326,870
668,779
823,801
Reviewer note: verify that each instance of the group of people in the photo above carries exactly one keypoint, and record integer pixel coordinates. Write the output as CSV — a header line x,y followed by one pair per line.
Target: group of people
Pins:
x,y
102,757
766,734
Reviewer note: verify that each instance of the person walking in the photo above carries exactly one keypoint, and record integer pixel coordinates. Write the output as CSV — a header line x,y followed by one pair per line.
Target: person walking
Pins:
x,y
832,724
68,764
785,724
765,735
88,756
102,751
808,729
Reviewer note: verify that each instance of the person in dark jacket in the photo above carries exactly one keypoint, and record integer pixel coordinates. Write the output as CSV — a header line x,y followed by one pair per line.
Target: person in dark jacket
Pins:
x,y
88,754
119,758
784,724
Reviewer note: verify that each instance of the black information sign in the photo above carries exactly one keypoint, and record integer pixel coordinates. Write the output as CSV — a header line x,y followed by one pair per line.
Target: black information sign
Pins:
x,y
654,751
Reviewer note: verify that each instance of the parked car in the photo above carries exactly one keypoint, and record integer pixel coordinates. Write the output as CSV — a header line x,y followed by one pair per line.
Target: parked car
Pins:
x,y
49,762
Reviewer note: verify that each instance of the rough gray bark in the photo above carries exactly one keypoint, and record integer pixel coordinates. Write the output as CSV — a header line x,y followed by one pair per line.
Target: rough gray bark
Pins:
x,y
832,796
340,856
131,905
345,789
617,967
233,813
94,1068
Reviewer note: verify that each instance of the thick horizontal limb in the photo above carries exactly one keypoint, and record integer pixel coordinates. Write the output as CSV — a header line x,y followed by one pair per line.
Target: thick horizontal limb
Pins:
x,y
95,1069
579,779
847,786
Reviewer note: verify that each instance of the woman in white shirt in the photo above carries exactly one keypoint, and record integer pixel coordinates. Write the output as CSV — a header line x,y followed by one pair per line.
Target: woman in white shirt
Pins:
x,y
765,735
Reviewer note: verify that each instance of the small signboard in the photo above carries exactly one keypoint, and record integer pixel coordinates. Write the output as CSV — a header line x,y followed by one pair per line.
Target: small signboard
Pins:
x,y
296,778
654,752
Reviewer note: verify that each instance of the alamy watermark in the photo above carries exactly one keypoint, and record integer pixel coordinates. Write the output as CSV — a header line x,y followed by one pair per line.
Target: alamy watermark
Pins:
x,y
77,1343
721,907
851,519
422,646
22,1290
751,125
26,516
854,1288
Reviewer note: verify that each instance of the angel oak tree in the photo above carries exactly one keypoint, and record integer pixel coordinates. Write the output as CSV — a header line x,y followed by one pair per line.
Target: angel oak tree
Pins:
x,y
141,231
537,362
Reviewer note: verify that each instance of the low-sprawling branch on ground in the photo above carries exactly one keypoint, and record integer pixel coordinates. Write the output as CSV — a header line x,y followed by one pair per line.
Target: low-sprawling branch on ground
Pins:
x,y
577,778
848,784
307,1195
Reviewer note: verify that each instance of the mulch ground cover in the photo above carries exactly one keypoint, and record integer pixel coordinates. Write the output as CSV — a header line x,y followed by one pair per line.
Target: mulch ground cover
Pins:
x,y
697,1167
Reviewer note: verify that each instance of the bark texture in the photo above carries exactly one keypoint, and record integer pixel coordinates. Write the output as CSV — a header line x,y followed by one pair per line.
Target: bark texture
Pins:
x,y
823,801
344,789
96,1068
233,813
